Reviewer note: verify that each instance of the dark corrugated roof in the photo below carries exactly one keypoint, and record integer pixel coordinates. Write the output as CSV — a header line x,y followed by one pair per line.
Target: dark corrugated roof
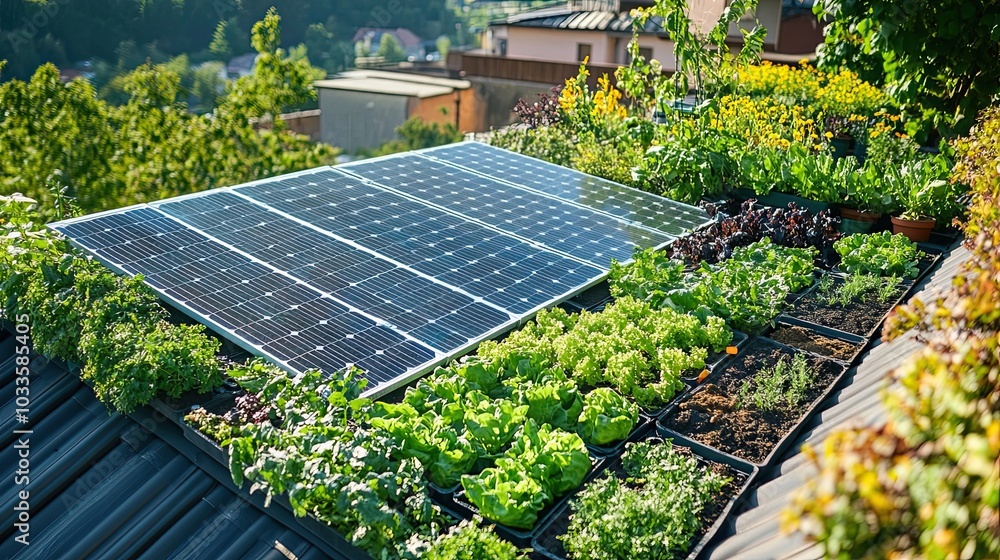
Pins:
x,y
103,486
567,18
756,534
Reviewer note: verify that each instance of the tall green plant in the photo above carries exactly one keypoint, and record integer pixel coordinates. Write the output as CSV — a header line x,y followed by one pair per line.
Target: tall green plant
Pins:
x,y
699,55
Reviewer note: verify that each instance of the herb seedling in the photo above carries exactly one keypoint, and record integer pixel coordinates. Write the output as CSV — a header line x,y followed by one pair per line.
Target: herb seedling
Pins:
x,y
785,383
858,288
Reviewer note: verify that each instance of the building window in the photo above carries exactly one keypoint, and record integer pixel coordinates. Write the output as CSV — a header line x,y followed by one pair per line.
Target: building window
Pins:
x,y
646,53
582,51
502,46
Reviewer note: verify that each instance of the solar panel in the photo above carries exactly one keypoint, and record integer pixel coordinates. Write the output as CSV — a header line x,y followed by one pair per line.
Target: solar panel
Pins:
x,y
270,312
643,208
395,264
429,311
497,267
571,229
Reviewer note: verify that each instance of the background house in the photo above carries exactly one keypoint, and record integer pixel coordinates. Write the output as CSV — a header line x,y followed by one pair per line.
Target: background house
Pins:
x,y
361,109
371,37
602,29
242,65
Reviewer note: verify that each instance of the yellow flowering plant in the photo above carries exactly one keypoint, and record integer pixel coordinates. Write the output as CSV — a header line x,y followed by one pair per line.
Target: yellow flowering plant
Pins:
x,y
792,85
599,112
764,122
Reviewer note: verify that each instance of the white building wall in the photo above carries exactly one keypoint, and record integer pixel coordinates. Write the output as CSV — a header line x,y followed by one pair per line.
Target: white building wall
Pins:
x,y
352,120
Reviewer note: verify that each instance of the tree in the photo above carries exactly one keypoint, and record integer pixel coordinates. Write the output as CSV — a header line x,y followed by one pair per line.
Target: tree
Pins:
x,y
940,60
389,49
220,43
278,80
416,134
151,146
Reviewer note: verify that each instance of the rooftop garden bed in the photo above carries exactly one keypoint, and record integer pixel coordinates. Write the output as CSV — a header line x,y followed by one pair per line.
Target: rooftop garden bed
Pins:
x,y
521,429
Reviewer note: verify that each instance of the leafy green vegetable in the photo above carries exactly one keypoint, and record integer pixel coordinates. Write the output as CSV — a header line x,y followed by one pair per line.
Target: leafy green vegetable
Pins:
x,y
558,459
492,423
748,290
654,513
606,417
129,363
882,253
507,494
631,345
542,464
557,403
348,476
470,541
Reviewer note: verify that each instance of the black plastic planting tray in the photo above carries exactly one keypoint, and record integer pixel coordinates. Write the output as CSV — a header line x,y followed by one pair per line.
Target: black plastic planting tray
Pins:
x,y
205,444
782,444
790,315
860,343
546,541
523,537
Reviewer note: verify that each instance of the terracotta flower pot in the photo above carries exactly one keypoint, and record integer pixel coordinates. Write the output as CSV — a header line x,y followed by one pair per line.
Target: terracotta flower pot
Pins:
x,y
917,231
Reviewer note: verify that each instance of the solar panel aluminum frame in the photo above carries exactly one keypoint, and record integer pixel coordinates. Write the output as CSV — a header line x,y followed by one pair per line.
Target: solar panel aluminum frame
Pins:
x,y
428,153
372,392
346,168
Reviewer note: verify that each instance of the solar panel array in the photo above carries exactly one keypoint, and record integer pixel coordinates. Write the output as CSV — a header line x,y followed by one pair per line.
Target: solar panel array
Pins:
x,y
394,264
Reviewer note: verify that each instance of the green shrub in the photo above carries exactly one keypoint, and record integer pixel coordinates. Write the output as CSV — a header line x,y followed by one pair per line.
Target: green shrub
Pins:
x,y
550,143
471,541
654,514
131,363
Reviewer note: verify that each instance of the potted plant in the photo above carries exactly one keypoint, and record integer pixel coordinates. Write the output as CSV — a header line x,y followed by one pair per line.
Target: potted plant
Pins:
x,y
864,199
924,194
813,177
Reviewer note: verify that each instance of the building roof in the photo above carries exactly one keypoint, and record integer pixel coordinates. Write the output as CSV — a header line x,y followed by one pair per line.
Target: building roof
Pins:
x,y
385,87
407,77
243,62
112,486
406,38
756,534
565,17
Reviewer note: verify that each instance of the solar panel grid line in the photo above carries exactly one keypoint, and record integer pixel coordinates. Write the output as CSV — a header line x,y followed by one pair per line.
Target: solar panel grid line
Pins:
x,y
562,182
526,240
182,306
501,178
323,295
462,253
559,225
373,253
529,240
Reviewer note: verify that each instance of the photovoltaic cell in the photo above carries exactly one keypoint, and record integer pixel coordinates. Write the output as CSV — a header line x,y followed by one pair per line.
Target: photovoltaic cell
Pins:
x,y
286,320
499,268
428,311
569,228
641,207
